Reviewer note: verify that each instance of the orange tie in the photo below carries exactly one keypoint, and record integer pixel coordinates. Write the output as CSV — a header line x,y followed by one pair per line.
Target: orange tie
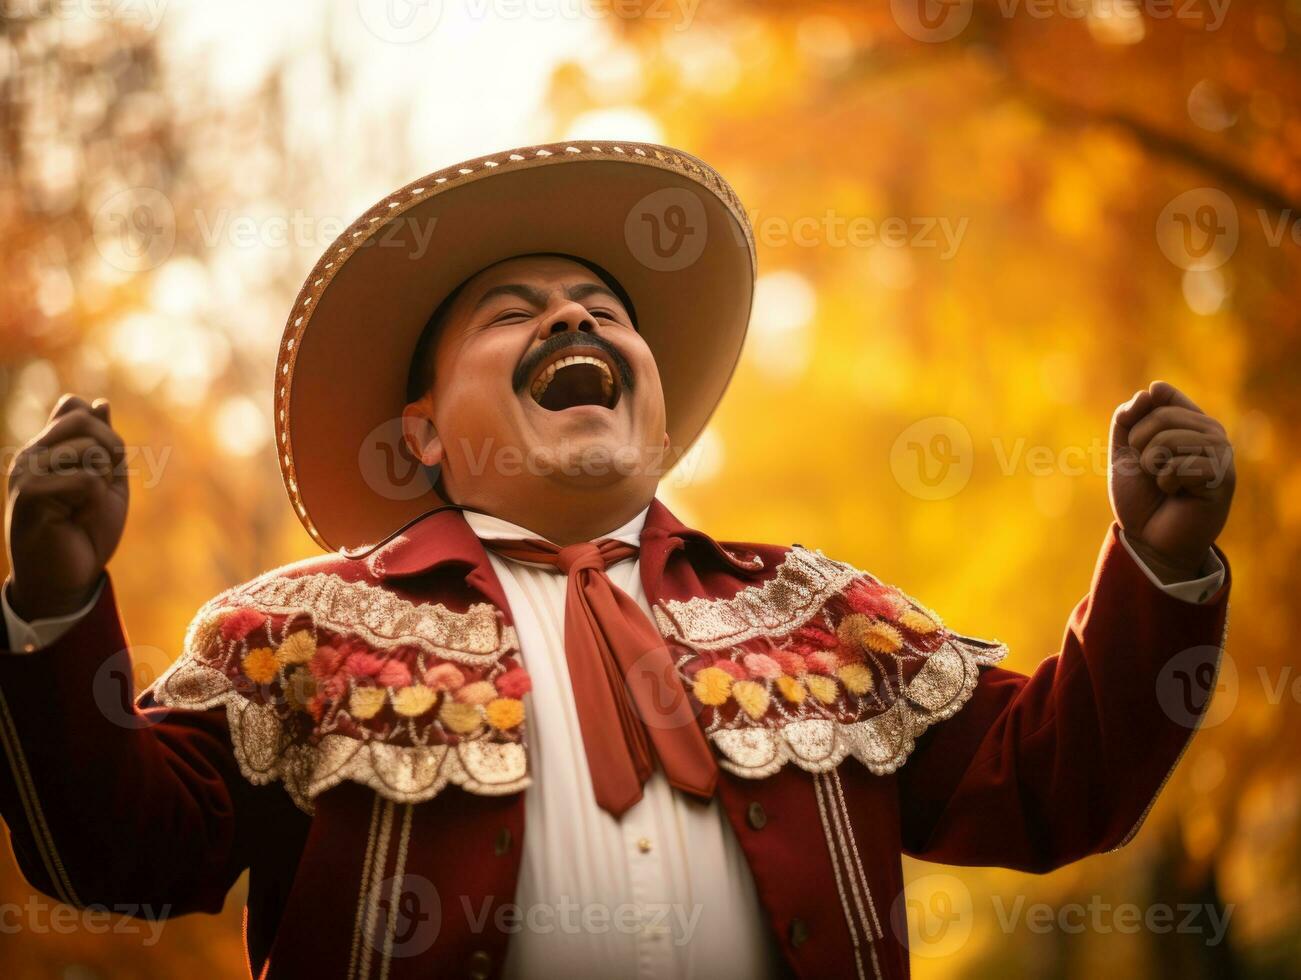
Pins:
x,y
624,681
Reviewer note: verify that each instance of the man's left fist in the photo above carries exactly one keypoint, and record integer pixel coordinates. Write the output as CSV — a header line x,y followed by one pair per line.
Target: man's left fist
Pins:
x,y
1171,479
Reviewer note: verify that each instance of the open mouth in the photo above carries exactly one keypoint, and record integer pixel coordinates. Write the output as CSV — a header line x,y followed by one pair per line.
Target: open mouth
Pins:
x,y
576,376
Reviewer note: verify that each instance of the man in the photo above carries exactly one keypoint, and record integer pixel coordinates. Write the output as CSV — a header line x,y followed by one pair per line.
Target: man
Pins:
x,y
525,722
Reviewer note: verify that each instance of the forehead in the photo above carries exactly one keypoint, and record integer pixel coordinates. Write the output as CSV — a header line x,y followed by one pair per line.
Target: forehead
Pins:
x,y
532,270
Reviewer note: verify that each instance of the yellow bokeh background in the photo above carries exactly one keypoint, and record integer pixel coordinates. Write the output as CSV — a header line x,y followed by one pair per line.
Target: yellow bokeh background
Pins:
x,y
971,249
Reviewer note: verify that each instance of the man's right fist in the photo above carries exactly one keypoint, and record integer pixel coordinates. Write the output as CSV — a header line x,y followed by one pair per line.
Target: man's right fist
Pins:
x,y
65,510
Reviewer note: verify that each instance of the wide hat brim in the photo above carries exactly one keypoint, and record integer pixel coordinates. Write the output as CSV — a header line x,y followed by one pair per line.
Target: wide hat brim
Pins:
x,y
662,222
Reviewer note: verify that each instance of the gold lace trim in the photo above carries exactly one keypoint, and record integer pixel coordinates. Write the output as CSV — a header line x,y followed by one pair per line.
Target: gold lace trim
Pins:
x,y
801,586
475,637
882,743
402,774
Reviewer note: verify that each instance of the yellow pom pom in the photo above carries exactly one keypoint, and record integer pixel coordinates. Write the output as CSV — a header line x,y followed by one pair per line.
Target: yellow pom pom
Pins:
x,y
751,696
791,689
260,665
414,701
882,638
918,621
856,678
822,688
460,718
365,702
297,648
480,692
504,713
851,628
712,686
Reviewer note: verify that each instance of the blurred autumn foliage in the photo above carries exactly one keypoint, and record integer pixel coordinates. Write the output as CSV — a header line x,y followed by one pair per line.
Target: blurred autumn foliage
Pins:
x,y
975,241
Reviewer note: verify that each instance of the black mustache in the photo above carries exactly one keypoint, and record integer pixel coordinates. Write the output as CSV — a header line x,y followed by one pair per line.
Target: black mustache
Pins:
x,y
558,342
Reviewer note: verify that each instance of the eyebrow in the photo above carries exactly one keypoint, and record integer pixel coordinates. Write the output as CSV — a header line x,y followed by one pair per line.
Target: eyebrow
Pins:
x,y
538,297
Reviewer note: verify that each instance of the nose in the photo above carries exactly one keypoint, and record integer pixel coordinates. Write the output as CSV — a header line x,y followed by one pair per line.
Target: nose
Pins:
x,y
569,317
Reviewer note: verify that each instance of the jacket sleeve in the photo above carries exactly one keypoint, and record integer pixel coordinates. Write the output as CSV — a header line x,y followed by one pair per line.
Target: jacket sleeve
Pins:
x,y
112,804
1038,771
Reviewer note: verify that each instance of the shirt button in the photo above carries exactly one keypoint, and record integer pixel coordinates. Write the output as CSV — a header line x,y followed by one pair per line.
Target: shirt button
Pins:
x,y
755,816
480,965
502,844
799,932
644,845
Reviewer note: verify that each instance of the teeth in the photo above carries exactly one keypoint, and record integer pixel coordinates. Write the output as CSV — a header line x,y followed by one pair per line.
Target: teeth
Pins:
x,y
544,379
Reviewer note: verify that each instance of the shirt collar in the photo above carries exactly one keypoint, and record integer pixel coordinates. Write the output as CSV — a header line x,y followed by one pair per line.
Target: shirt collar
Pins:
x,y
445,537
489,528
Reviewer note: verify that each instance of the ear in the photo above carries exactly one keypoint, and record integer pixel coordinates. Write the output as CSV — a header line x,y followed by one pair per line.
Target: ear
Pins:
x,y
419,434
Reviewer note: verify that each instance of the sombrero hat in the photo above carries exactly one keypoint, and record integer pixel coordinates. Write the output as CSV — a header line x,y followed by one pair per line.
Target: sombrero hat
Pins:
x,y
662,222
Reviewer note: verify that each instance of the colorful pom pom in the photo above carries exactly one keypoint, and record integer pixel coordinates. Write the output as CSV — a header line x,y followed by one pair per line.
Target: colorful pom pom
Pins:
x,y
751,696
712,685
918,622
444,677
366,702
298,648
762,666
504,714
460,718
393,673
260,665
480,692
240,623
822,688
413,701
514,683
791,689
857,678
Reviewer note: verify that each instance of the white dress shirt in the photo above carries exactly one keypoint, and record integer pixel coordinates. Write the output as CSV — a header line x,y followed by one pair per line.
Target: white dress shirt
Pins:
x,y
663,892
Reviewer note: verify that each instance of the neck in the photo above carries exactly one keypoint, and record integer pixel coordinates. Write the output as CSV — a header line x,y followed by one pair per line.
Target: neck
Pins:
x,y
563,516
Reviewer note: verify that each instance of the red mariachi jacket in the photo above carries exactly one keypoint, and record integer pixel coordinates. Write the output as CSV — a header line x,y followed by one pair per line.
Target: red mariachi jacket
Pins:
x,y
352,731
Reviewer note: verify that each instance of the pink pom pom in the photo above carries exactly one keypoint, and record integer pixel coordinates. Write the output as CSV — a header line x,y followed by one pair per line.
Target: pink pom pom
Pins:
x,y
730,667
393,673
790,662
762,665
515,683
823,662
874,600
362,664
444,677
240,623
326,662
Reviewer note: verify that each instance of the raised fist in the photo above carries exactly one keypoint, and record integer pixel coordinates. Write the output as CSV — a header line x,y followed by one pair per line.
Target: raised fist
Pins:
x,y
66,509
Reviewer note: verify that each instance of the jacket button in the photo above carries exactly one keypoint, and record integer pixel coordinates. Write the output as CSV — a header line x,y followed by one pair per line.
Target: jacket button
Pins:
x,y
502,844
755,816
799,932
480,965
